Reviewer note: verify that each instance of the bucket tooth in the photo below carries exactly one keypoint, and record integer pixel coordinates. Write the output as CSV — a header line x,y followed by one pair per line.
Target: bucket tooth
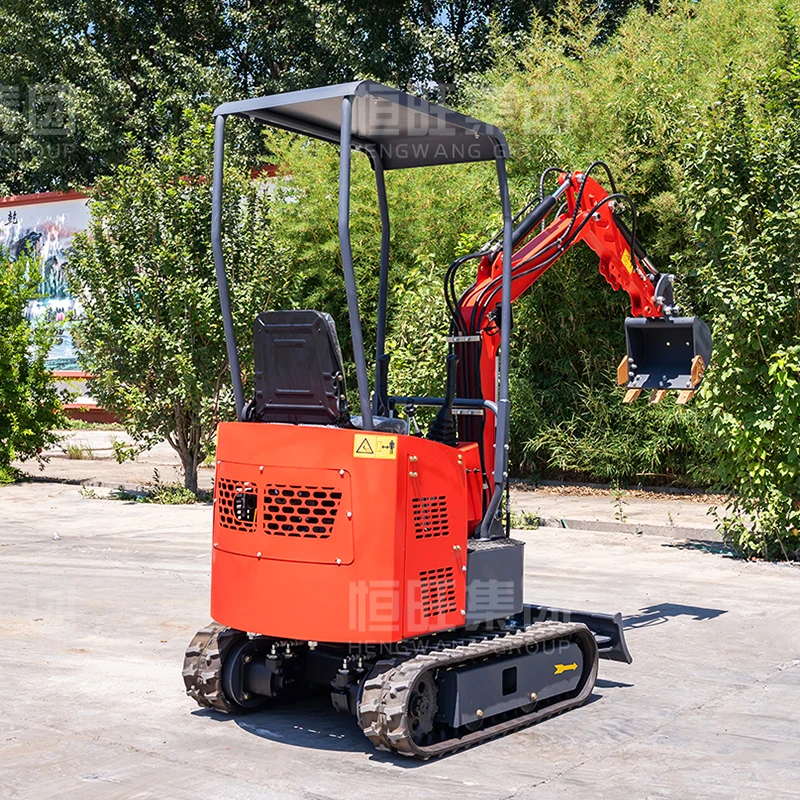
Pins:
x,y
622,371
658,395
698,368
684,397
631,395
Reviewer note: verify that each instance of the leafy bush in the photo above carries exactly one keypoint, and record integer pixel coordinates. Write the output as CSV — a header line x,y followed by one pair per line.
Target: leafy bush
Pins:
x,y
30,408
152,331
607,440
744,193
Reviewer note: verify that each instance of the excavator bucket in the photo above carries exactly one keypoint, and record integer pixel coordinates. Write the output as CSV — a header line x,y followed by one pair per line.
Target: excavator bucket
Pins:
x,y
664,354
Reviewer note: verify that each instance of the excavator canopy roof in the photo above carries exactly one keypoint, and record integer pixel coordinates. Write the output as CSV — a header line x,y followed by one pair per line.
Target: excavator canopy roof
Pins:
x,y
398,129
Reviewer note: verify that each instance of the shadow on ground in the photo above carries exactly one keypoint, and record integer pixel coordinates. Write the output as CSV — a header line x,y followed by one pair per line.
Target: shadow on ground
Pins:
x,y
664,612
310,723
315,725
704,546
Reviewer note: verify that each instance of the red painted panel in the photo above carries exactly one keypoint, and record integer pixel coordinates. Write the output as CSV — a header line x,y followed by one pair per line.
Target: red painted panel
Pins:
x,y
366,577
436,539
285,513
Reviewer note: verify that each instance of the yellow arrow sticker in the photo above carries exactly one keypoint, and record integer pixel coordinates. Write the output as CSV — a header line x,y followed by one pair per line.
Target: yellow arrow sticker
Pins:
x,y
370,445
565,668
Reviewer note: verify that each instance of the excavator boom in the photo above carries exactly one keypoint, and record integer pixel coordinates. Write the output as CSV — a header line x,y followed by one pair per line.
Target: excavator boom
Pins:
x,y
665,351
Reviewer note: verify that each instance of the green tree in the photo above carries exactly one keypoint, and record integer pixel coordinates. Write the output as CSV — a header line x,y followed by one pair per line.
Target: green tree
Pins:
x,y
744,194
30,408
82,83
152,331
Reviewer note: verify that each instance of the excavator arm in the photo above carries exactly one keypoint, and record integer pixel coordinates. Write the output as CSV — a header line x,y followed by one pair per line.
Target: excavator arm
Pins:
x,y
590,217
665,351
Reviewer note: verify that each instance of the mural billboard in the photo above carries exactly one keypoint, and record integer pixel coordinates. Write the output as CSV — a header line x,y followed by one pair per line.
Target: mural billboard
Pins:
x,y
44,225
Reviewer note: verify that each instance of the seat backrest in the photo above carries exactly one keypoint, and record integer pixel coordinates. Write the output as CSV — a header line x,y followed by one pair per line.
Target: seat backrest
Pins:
x,y
299,376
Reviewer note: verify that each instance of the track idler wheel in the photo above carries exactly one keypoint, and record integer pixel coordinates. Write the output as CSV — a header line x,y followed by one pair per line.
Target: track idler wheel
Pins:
x,y
209,672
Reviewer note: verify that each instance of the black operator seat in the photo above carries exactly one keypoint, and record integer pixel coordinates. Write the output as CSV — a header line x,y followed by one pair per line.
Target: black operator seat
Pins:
x,y
299,377
298,369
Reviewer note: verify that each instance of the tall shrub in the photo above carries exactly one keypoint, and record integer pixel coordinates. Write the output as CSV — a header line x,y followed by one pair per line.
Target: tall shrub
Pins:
x,y
744,193
152,331
30,408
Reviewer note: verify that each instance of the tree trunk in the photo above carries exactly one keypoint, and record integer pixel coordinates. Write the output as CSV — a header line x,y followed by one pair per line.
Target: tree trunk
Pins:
x,y
190,464
185,440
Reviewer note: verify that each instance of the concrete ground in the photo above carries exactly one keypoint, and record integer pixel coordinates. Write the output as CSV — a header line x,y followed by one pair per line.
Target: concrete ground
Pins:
x,y
686,515
100,598
97,466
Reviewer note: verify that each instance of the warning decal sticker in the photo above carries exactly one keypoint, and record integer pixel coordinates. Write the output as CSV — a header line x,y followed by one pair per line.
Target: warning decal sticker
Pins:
x,y
370,445
626,260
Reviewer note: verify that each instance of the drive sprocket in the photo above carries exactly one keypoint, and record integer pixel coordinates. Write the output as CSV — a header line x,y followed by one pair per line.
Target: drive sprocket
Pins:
x,y
202,667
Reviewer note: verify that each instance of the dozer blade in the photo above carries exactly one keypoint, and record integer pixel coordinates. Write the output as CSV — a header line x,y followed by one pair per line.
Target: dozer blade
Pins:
x,y
665,354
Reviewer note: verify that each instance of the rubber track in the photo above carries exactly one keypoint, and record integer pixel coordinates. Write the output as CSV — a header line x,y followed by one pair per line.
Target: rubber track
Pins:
x,y
202,666
386,692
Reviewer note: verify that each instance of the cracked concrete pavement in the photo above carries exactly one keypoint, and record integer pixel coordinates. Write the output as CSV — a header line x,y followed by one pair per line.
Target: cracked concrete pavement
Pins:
x,y
100,598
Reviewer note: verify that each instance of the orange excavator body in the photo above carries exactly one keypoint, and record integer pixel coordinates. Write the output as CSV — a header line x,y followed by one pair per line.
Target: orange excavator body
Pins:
x,y
356,537
377,524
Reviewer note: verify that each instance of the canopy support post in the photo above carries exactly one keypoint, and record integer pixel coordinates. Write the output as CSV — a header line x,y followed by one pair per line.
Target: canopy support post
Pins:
x,y
347,264
381,359
219,265
503,403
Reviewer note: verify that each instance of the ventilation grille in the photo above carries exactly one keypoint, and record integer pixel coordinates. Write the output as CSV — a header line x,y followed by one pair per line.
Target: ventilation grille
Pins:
x,y
236,504
430,517
301,511
438,590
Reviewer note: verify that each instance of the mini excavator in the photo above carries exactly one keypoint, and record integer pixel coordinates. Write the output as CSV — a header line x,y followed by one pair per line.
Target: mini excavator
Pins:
x,y
355,556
